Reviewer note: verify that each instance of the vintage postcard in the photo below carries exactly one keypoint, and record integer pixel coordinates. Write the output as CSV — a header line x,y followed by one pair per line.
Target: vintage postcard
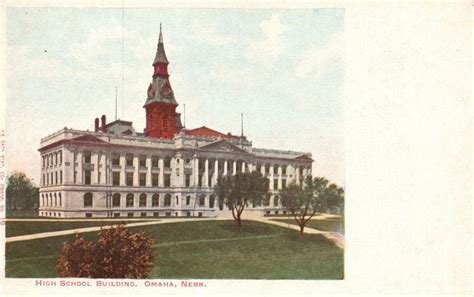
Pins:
x,y
176,149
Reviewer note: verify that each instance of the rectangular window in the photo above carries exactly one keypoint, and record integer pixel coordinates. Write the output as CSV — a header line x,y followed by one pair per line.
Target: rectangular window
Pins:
x,y
154,179
188,214
167,163
87,157
116,215
199,214
154,162
56,177
88,215
188,180
168,214
115,159
129,178
188,200
44,182
87,177
142,179
130,214
167,180
61,177
142,161
275,184
283,183
116,178
129,159
143,214
156,214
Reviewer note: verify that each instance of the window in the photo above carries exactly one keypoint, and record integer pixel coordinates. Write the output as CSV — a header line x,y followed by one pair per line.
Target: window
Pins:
x,y
199,214
188,214
88,200
116,215
129,159
155,200
47,179
129,178
88,215
56,178
116,200
130,214
142,200
167,180
142,161
55,158
188,180
61,177
44,181
143,214
202,200
60,157
276,201
283,169
283,183
177,200
188,200
267,168
212,199
154,179
275,184
156,214
87,157
167,163
116,159
168,214
154,162
87,177
116,178
129,202
167,200
60,199
142,179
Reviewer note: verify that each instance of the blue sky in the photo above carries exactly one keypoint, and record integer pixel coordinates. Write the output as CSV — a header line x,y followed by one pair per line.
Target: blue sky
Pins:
x,y
283,68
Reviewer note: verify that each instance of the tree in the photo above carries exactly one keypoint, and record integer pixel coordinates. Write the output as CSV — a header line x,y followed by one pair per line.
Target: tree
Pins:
x,y
21,192
240,189
303,200
117,253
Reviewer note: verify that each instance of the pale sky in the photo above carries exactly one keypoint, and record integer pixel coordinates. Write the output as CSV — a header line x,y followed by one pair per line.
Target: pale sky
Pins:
x,y
283,68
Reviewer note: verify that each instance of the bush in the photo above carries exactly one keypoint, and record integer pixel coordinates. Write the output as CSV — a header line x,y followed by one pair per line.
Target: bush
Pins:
x,y
116,254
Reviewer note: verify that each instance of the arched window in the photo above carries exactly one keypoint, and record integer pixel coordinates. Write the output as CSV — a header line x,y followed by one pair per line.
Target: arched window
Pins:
x,y
116,200
129,202
202,200
167,200
212,199
60,199
42,199
142,200
88,200
276,201
155,200
50,200
55,200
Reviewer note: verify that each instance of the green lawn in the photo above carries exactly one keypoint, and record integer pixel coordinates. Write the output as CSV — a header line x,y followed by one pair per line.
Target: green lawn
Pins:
x,y
205,249
335,225
24,227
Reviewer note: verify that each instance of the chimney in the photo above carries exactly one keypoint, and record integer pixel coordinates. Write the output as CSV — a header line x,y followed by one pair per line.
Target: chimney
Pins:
x,y
96,125
103,123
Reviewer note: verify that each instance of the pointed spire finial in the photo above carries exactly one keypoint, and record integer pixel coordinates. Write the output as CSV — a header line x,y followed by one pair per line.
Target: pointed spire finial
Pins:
x,y
160,39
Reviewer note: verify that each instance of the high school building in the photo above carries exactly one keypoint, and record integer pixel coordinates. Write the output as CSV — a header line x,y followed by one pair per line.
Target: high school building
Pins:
x,y
168,170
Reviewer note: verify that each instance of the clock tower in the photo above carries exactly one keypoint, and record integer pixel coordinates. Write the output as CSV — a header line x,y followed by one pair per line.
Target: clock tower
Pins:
x,y
162,121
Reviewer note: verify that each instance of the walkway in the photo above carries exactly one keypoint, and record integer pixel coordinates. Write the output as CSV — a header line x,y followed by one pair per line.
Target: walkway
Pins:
x,y
336,238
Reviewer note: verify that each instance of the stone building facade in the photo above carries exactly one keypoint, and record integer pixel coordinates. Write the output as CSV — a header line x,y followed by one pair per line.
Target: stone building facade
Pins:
x,y
168,170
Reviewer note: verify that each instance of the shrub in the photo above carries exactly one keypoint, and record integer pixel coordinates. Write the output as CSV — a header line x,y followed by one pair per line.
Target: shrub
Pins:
x,y
117,253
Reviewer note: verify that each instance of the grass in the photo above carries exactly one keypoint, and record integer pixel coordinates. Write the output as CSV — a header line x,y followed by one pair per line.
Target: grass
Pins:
x,y
17,228
334,225
204,249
